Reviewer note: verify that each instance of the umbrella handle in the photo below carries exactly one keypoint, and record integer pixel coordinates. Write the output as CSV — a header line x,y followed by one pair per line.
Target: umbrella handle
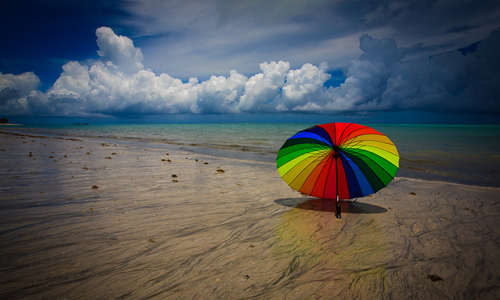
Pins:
x,y
338,208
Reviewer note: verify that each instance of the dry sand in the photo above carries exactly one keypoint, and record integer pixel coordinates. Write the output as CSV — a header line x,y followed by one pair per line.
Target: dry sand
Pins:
x,y
142,233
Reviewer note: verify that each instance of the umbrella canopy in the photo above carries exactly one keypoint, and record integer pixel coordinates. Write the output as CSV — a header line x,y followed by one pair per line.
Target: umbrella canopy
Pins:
x,y
338,161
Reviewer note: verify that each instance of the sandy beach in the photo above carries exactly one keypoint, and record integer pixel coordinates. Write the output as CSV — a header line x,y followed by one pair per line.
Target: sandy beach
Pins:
x,y
101,219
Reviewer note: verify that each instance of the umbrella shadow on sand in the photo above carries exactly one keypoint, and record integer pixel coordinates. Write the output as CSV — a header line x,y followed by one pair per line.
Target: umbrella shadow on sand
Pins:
x,y
328,205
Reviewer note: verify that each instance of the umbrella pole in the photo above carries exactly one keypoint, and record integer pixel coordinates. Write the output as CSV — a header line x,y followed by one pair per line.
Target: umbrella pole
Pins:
x,y
338,207
337,183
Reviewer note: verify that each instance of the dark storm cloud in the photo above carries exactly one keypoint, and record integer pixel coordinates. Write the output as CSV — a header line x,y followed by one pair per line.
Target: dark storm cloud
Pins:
x,y
457,29
215,36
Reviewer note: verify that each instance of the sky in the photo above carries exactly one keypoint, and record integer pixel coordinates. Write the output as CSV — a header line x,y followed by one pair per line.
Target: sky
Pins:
x,y
162,61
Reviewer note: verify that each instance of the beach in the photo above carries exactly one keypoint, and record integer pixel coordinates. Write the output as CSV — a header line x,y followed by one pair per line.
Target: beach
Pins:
x,y
98,218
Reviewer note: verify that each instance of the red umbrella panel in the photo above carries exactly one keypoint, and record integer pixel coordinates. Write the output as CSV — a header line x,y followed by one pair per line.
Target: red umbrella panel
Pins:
x,y
338,161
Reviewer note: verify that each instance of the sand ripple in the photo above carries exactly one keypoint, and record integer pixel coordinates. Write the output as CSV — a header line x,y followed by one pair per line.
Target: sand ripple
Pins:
x,y
237,234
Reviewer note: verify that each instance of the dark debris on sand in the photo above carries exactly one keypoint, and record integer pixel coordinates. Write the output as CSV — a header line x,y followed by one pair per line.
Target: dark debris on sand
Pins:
x,y
434,277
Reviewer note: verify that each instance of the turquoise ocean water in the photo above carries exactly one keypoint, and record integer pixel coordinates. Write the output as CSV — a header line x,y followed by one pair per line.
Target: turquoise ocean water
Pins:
x,y
461,154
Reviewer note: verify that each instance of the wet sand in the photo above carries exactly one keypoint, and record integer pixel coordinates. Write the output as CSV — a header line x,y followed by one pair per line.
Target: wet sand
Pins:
x,y
91,219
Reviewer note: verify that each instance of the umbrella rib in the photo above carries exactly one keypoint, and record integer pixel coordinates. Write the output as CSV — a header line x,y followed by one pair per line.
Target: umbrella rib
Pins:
x,y
328,158
294,166
360,154
318,147
327,175
340,137
351,146
346,157
348,165
353,143
324,165
346,138
377,177
357,152
323,139
312,162
359,141
336,166
351,140
335,134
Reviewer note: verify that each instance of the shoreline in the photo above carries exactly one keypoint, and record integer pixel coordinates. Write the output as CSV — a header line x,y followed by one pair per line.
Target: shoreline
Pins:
x,y
249,155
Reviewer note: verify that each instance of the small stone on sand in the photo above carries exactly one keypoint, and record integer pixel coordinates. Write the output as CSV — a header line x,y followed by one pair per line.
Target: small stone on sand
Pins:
x,y
434,277
95,187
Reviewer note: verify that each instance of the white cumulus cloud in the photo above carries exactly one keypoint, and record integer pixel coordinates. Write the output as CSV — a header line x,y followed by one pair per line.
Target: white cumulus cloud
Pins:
x,y
381,79
264,87
118,50
304,88
15,90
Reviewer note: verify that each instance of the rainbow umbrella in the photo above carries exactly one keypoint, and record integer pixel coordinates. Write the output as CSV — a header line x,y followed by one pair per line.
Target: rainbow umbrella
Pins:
x,y
338,161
